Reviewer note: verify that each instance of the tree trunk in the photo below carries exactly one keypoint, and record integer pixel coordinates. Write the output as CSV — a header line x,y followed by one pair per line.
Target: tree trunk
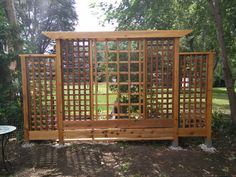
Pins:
x,y
10,11
229,81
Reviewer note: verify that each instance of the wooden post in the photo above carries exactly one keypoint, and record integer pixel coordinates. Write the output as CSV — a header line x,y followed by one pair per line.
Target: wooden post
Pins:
x,y
145,79
208,140
175,91
91,45
25,98
59,92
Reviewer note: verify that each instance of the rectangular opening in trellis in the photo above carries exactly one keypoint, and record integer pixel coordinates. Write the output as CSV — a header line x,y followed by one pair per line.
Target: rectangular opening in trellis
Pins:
x,y
118,79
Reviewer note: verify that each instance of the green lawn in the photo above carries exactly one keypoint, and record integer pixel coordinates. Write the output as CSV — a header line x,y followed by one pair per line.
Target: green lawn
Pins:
x,y
220,100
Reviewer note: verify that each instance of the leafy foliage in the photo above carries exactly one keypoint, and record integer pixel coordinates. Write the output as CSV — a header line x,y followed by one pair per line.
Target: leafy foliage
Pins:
x,y
36,16
177,14
10,105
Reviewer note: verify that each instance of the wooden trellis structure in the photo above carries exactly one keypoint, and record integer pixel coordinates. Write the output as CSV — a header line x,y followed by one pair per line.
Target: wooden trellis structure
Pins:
x,y
130,85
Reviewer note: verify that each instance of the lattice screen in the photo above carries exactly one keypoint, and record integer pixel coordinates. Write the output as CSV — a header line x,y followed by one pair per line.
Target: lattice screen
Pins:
x,y
118,79
42,93
160,56
193,88
76,79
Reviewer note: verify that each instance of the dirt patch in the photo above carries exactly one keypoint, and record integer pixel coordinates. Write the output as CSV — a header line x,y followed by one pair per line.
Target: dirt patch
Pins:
x,y
150,158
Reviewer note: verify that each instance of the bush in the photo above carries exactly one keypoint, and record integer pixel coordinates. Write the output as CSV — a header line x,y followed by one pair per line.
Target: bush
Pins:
x,y
220,121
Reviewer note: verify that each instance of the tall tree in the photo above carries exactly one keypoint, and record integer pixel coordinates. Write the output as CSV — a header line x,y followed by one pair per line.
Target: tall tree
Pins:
x,y
153,14
184,14
36,16
10,11
229,80
10,105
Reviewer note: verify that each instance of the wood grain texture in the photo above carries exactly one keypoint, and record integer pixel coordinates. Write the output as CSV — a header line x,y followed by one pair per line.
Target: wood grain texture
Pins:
x,y
43,135
176,88
25,98
209,95
118,133
117,34
141,123
59,92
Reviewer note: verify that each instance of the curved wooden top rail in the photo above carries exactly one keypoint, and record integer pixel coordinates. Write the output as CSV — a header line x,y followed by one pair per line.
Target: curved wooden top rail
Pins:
x,y
117,34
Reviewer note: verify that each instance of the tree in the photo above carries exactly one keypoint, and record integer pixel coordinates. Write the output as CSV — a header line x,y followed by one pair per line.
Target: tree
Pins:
x,y
188,14
10,105
36,16
10,11
152,14
229,81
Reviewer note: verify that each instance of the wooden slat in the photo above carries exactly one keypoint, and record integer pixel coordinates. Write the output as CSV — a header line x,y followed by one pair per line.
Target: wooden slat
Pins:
x,y
138,123
25,98
129,80
59,91
91,79
43,135
117,34
145,70
120,133
119,139
185,132
195,53
96,80
107,80
36,56
209,95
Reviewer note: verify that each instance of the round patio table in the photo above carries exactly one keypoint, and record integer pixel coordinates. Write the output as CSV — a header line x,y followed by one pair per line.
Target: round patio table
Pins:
x,y
5,130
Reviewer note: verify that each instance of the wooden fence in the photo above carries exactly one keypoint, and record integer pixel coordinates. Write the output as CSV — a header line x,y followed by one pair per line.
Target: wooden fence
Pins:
x,y
117,86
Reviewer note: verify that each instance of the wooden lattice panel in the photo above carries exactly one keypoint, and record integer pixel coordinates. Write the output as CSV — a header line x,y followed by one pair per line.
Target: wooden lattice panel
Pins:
x,y
160,56
118,79
42,93
193,89
76,79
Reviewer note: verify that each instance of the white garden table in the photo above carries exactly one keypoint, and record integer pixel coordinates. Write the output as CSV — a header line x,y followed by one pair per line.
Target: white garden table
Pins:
x,y
5,130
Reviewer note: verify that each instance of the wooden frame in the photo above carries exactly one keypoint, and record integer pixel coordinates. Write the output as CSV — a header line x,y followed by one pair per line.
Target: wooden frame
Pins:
x,y
130,85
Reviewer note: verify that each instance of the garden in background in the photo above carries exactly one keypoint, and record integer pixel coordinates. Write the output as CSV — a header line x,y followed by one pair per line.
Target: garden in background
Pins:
x,y
213,25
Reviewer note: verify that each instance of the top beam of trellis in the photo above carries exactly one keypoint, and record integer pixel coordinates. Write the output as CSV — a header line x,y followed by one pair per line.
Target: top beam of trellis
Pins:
x,y
118,34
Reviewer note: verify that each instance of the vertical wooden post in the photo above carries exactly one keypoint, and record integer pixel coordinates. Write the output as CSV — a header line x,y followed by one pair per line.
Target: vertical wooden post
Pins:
x,y
175,91
145,78
59,92
208,141
25,98
91,45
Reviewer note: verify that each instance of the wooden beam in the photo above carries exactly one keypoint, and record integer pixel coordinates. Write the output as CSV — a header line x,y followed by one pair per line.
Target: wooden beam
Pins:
x,y
118,139
138,123
25,97
59,92
195,53
117,34
185,132
155,133
32,56
43,135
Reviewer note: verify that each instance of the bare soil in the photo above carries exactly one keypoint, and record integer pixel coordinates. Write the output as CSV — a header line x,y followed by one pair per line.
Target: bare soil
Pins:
x,y
133,159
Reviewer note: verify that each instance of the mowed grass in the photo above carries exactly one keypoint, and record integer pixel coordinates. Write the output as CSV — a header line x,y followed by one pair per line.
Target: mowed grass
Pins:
x,y
220,100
